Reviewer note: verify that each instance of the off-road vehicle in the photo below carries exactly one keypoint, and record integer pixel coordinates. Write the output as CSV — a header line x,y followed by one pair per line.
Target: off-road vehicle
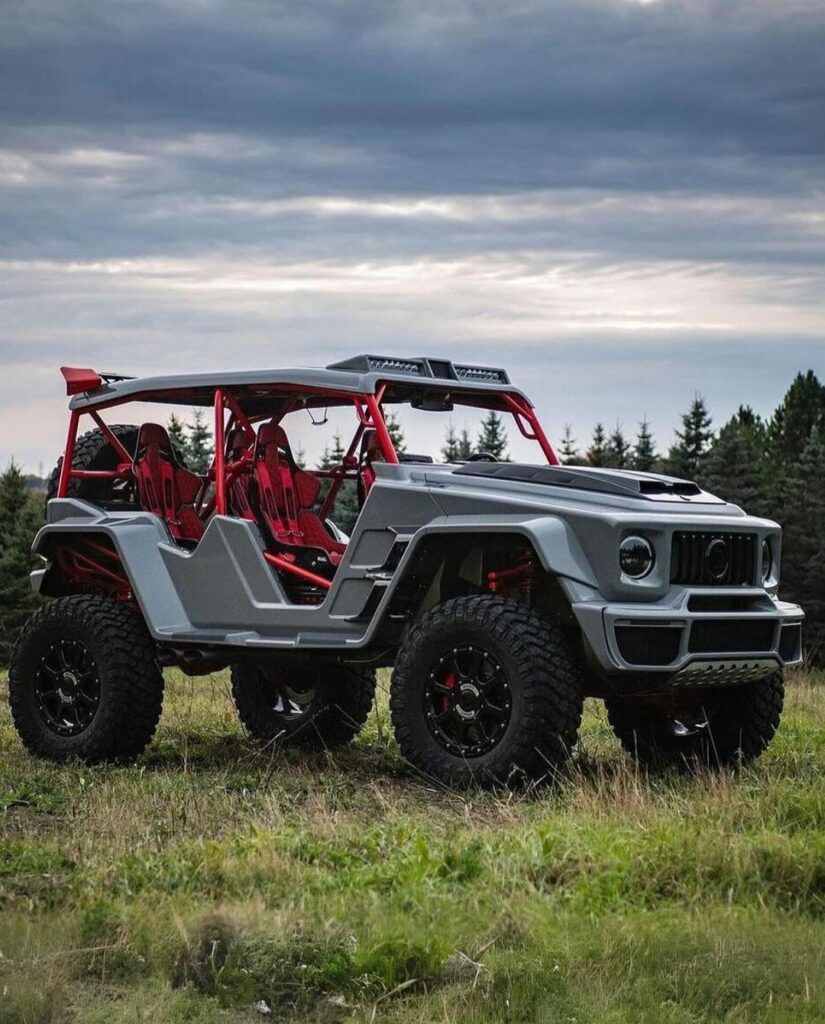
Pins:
x,y
501,594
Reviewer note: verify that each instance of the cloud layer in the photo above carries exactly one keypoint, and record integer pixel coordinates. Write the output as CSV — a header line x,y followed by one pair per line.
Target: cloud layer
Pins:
x,y
621,201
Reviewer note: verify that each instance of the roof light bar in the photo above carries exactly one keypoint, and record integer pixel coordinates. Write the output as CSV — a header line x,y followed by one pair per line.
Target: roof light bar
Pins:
x,y
437,369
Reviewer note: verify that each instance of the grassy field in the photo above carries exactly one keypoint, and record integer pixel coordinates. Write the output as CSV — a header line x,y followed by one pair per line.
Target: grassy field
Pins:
x,y
210,878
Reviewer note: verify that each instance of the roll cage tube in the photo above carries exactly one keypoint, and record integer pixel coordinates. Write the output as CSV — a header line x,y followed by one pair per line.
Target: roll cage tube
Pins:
x,y
367,407
368,410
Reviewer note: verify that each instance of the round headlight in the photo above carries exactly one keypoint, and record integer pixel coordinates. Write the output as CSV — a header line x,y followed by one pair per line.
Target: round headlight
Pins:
x,y
767,560
636,557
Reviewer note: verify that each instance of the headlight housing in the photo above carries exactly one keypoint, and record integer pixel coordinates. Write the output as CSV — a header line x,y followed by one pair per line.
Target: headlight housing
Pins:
x,y
636,557
767,561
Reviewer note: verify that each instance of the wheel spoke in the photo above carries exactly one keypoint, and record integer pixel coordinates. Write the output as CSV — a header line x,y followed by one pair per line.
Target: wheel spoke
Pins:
x,y
457,671
67,687
473,718
477,658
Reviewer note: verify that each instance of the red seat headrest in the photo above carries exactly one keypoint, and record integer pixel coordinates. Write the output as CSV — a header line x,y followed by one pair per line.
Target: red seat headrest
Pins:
x,y
272,433
370,445
153,433
238,440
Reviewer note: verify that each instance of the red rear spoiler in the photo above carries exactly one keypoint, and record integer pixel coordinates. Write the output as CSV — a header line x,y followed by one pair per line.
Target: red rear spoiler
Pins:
x,y
79,379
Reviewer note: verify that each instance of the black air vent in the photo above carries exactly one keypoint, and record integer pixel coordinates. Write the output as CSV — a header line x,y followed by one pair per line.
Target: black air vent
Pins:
x,y
684,487
729,636
648,644
441,370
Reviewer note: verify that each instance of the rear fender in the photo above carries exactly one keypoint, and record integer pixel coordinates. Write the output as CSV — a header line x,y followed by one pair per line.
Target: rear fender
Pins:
x,y
136,537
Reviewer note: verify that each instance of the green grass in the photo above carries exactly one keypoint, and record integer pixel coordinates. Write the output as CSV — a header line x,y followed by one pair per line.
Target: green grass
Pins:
x,y
341,887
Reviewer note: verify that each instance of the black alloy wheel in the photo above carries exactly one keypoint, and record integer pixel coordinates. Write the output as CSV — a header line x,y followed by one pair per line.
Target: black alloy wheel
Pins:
x,y
486,691
314,708
84,681
467,701
67,687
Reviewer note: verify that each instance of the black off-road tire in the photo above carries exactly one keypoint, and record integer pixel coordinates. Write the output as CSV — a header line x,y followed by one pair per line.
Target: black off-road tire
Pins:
x,y
315,709
129,680
93,451
740,724
544,679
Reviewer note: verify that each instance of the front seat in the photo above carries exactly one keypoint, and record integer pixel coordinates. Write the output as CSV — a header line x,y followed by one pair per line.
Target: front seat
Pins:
x,y
165,487
286,496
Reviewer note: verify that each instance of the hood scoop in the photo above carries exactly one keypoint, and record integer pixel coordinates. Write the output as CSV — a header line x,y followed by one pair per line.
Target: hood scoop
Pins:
x,y
627,483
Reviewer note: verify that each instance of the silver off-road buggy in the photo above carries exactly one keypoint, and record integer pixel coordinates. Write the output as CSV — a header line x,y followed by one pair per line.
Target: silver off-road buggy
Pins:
x,y
501,594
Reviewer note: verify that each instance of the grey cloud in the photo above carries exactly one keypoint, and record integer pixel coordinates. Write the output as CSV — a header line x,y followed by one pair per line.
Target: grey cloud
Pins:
x,y
176,151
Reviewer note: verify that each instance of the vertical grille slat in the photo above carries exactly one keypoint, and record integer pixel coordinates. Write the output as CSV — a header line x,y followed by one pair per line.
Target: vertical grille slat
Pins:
x,y
732,562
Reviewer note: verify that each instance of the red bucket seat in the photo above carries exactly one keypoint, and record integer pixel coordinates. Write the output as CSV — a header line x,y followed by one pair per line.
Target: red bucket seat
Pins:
x,y
165,487
287,495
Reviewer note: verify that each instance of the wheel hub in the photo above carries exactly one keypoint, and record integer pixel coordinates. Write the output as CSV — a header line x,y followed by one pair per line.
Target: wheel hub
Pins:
x,y
67,688
467,701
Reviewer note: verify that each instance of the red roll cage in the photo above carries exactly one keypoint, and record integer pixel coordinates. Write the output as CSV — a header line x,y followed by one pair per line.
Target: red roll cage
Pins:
x,y
369,414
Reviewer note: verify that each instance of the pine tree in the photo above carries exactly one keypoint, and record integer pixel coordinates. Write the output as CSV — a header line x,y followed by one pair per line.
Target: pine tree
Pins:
x,y
492,437
465,445
333,455
644,451
618,449
451,445
569,452
396,432
597,452
177,435
199,450
21,515
733,469
345,511
792,422
692,441
338,451
803,543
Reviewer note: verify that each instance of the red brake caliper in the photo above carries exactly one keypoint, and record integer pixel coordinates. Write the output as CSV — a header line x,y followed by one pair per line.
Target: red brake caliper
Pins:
x,y
449,682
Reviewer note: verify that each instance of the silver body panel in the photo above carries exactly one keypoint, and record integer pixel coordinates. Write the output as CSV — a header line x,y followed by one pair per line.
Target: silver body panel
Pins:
x,y
224,593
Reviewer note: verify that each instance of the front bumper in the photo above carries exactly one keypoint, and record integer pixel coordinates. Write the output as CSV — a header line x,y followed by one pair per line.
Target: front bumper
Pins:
x,y
697,637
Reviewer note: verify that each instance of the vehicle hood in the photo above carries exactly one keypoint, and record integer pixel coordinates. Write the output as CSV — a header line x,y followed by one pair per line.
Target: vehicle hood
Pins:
x,y
623,483
511,486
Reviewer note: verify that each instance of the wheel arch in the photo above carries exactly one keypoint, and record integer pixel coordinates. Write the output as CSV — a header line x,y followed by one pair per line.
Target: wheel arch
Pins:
x,y
134,542
453,558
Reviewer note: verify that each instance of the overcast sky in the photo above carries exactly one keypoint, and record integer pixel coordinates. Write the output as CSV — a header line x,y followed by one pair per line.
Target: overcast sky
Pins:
x,y
622,202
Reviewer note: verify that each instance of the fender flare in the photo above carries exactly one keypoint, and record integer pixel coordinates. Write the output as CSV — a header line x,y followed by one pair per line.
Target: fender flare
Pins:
x,y
137,537
554,541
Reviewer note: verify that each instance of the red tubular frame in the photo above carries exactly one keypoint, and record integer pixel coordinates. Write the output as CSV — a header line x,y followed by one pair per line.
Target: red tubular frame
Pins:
x,y
66,472
219,466
522,410
283,563
370,416
376,421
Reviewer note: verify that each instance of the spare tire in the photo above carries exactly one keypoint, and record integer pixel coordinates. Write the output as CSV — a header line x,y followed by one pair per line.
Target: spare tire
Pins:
x,y
93,451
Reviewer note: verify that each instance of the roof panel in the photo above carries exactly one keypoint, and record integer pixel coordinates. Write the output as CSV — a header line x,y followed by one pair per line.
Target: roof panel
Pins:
x,y
197,388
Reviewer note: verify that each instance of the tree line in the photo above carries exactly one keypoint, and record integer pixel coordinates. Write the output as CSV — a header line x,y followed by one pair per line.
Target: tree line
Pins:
x,y
772,467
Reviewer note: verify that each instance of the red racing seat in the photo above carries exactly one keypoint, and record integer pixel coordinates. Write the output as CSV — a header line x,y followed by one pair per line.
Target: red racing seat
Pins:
x,y
287,495
239,492
371,452
165,487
